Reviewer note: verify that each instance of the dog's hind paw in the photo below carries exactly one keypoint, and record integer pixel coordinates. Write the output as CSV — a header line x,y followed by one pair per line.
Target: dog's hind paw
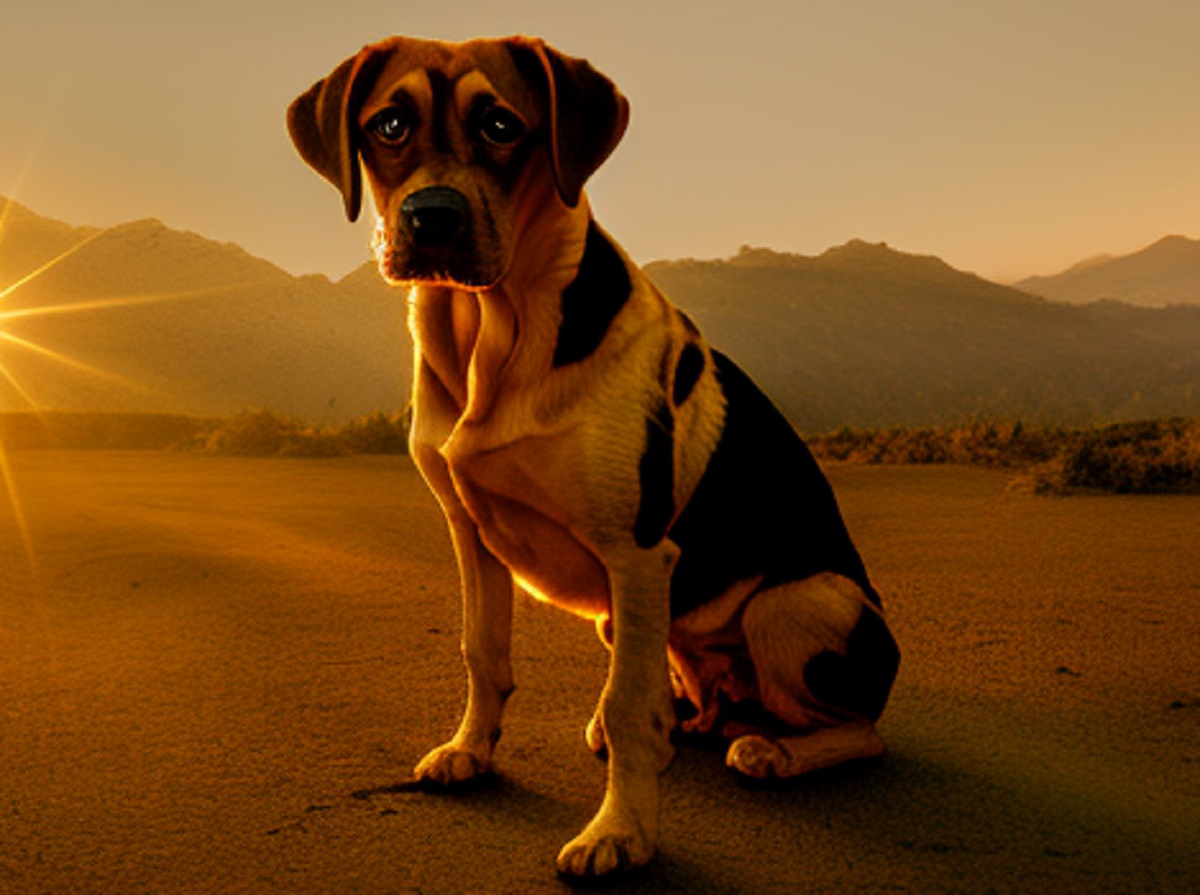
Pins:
x,y
763,758
757,757
450,765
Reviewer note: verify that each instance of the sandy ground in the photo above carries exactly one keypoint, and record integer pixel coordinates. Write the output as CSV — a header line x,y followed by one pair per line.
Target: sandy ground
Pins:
x,y
213,672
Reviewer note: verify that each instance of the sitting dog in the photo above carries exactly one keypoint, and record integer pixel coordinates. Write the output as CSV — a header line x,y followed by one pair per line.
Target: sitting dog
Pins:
x,y
586,444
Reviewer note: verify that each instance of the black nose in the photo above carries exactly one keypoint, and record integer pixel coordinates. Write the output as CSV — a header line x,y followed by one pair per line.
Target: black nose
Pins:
x,y
435,216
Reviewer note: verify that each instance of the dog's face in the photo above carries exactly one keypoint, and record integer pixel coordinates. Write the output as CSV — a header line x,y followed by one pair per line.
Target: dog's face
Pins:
x,y
446,138
452,138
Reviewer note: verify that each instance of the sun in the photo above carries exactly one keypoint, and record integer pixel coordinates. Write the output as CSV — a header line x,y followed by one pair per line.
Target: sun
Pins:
x,y
8,338
8,377
11,343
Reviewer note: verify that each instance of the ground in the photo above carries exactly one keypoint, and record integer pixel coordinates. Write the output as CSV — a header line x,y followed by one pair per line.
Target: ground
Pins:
x,y
214,672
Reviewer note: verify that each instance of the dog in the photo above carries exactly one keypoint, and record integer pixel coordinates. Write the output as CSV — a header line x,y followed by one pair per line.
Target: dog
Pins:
x,y
585,442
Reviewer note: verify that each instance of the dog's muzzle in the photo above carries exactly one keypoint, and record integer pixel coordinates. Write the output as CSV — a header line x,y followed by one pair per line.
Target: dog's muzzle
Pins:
x,y
435,217
438,239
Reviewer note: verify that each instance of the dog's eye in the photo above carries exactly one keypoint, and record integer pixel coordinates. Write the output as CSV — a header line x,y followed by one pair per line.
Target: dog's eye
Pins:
x,y
391,126
500,127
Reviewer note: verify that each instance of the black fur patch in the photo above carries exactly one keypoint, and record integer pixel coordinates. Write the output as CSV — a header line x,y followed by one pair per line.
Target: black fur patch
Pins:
x,y
687,372
591,301
656,477
763,507
439,87
861,679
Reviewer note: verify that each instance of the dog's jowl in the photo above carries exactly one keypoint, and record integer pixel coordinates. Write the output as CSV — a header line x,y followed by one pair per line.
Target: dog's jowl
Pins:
x,y
585,442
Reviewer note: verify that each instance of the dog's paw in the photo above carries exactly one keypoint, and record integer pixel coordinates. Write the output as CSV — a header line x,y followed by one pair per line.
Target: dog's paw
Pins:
x,y
451,765
609,844
757,757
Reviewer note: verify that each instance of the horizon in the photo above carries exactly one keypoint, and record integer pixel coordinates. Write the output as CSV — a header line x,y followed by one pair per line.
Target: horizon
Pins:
x,y
6,202
309,345
1009,142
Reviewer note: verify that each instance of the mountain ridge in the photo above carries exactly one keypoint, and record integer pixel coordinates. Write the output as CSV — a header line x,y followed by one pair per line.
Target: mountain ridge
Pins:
x,y
147,318
871,337
1166,272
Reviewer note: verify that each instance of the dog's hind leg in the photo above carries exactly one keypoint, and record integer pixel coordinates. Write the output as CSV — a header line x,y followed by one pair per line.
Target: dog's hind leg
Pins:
x,y
825,662
763,757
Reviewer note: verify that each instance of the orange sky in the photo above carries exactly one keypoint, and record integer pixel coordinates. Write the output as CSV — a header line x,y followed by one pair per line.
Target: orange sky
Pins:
x,y
1009,138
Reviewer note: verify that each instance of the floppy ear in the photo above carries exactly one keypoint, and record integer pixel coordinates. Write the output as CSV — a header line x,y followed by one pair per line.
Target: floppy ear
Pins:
x,y
322,126
587,113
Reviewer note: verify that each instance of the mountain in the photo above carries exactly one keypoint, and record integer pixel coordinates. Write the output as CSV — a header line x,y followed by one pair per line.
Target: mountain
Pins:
x,y
866,336
27,241
143,318
1165,273
140,318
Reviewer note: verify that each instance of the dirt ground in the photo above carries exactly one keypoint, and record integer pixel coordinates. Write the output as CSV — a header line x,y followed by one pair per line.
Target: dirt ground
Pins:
x,y
214,672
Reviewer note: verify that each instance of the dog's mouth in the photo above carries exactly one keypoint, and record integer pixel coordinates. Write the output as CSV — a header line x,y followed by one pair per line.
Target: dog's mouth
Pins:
x,y
400,263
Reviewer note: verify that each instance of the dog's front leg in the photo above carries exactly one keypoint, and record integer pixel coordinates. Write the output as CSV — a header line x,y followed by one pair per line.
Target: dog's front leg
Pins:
x,y
636,715
487,631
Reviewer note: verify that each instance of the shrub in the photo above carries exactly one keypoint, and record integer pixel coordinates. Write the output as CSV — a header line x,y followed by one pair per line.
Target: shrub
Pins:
x,y
377,433
1155,457
252,433
264,433
981,444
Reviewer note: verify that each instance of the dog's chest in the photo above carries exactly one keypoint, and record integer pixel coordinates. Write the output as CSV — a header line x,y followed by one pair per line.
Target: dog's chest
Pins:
x,y
526,499
530,449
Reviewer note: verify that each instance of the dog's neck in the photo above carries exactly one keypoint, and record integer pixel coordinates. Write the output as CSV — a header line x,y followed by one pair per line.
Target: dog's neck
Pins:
x,y
473,341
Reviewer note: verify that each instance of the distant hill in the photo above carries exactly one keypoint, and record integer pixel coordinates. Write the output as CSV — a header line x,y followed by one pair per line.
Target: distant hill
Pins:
x,y
866,336
1165,273
27,241
149,319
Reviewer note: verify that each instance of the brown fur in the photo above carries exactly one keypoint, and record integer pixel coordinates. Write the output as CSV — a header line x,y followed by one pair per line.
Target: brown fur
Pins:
x,y
546,461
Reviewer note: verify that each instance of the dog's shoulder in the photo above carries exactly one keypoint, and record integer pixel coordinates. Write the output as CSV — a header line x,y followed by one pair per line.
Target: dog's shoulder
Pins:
x,y
600,290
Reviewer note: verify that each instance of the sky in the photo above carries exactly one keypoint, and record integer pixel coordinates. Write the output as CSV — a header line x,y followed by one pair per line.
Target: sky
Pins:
x,y
1009,138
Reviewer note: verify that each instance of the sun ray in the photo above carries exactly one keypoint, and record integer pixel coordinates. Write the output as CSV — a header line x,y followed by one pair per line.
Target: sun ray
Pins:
x,y
66,360
18,512
9,205
62,256
35,138
88,306
18,388
124,301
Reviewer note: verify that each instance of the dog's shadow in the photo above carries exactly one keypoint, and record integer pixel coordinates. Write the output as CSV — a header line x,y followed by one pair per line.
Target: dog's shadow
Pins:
x,y
706,812
916,817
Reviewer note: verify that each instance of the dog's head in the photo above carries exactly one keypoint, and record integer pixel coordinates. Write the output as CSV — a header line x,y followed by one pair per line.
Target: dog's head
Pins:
x,y
453,139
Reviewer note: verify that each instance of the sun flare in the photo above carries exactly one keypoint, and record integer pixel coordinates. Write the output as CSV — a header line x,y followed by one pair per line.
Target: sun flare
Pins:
x,y
15,507
58,259
22,387
9,339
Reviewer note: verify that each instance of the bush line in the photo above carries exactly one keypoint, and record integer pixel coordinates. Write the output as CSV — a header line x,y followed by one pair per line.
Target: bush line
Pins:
x,y
1148,457
264,433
